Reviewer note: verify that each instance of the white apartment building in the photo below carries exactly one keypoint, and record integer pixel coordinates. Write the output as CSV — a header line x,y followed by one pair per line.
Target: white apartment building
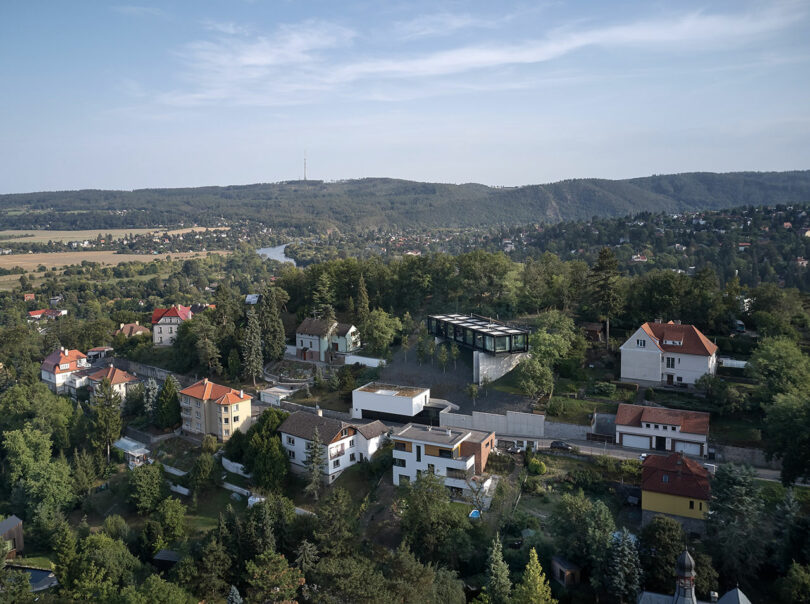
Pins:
x,y
667,353
345,444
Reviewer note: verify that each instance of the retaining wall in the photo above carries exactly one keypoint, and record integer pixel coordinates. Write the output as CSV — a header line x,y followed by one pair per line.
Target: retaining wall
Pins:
x,y
754,457
145,372
566,431
234,468
514,423
494,367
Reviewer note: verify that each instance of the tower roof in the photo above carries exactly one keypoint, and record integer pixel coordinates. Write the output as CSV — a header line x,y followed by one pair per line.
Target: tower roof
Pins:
x,y
685,566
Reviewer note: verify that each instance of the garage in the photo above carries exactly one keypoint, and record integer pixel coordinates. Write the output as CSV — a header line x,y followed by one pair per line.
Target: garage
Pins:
x,y
688,448
635,442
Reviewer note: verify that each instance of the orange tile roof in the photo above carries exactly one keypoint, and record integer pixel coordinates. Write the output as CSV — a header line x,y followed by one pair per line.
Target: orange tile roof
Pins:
x,y
115,375
59,357
691,339
684,477
206,390
691,422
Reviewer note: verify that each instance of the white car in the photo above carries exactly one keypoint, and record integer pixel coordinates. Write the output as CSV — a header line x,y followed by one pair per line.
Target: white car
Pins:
x,y
642,457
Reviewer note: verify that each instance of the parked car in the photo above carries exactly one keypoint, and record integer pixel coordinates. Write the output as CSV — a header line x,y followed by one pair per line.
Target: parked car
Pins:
x,y
561,445
642,457
515,449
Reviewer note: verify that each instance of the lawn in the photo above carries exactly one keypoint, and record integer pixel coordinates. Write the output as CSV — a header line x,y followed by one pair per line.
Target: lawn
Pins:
x,y
575,411
209,505
325,400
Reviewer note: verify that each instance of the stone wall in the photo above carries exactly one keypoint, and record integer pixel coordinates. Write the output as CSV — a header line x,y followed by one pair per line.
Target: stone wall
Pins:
x,y
527,425
754,457
566,431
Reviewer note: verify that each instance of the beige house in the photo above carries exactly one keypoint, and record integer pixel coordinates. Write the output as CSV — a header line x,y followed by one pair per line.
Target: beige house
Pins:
x,y
209,408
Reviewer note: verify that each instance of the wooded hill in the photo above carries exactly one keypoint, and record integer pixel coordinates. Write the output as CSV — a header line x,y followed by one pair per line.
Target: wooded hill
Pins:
x,y
371,203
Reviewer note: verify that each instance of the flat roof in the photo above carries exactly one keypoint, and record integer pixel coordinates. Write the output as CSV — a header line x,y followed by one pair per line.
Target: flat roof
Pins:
x,y
442,436
482,324
392,390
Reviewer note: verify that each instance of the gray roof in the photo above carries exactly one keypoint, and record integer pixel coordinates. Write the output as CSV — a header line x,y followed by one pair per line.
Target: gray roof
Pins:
x,y
168,555
372,429
343,328
9,523
604,423
316,327
302,424
443,436
735,596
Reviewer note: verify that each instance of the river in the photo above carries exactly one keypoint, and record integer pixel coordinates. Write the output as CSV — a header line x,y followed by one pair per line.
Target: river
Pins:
x,y
275,253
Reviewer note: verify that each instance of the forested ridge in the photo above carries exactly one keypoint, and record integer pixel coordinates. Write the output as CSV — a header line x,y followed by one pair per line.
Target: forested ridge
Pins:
x,y
384,202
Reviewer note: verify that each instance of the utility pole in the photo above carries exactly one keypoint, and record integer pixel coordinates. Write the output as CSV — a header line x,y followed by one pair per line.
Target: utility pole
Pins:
x,y
305,166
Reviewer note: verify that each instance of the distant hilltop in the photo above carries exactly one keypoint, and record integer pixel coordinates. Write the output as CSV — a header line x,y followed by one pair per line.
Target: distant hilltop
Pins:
x,y
386,202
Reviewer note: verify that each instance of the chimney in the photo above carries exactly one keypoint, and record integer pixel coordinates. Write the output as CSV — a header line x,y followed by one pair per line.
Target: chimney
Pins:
x,y
659,320
449,433
120,326
136,323
205,380
318,411
241,394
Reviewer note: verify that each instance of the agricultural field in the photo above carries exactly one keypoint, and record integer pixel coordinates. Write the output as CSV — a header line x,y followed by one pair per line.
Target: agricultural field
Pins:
x,y
30,262
43,236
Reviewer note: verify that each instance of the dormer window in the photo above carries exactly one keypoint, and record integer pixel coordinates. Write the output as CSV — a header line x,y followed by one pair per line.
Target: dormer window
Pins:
x,y
641,343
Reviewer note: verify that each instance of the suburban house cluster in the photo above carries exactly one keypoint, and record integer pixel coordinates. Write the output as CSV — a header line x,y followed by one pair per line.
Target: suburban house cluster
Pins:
x,y
325,340
68,371
667,353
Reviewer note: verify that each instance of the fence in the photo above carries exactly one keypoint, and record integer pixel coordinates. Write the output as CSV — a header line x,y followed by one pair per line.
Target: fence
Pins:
x,y
234,468
566,431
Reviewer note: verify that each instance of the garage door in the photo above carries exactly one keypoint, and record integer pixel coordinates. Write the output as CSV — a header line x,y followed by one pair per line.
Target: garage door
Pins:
x,y
636,442
688,448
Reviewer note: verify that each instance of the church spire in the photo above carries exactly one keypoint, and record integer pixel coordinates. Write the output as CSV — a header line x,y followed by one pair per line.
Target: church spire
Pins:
x,y
685,580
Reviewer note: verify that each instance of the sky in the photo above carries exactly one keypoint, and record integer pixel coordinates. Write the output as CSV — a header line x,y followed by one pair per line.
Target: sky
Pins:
x,y
171,94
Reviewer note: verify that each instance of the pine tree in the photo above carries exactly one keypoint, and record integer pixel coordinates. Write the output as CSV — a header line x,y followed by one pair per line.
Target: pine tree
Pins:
x,y
498,584
84,472
167,406
323,297
362,307
306,556
233,596
150,394
106,416
207,349
252,361
607,297
534,587
273,337
314,466
234,365
624,575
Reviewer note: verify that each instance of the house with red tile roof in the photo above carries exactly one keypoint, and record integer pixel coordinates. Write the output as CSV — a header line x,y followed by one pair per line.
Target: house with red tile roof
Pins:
x,y
209,408
58,366
662,429
131,329
667,353
120,380
675,486
166,322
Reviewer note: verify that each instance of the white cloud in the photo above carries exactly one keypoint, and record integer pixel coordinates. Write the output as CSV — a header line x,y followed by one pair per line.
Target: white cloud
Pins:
x,y
229,28
440,24
297,61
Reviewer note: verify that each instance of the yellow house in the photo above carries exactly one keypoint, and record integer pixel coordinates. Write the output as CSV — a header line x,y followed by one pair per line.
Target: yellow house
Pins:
x,y
675,486
209,408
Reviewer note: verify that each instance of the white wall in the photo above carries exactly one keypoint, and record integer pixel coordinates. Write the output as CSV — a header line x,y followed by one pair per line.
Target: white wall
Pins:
x,y
641,363
494,367
299,447
514,423
440,465
690,367
351,359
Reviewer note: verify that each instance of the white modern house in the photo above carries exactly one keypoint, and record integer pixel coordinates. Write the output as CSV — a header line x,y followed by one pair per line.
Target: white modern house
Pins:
x,y
455,454
662,429
376,399
667,353
345,444
58,366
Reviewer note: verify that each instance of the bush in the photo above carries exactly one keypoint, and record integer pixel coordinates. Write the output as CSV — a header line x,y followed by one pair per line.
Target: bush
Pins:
x,y
605,389
537,467
554,407
650,394
584,478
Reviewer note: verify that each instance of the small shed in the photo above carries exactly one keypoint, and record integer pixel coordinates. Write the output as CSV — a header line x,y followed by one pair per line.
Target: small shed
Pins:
x,y
134,452
11,530
594,332
564,572
165,559
99,352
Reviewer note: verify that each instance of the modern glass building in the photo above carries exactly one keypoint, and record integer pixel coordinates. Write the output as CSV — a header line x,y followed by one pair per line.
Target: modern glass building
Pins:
x,y
479,333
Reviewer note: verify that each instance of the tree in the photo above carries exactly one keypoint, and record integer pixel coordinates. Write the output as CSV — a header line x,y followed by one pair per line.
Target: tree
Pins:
x,y
624,568
706,578
202,473
337,523
606,294
323,296
314,466
167,405
455,351
733,525
271,579
362,307
787,425
209,444
442,357
84,472
252,359
106,416
780,367
406,346
116,527
273,336
155,590
150,395
269,462
498,584
171,514
146,487
234,364
661,542
472,392
795,586
380,329
212,566
14,585
233,596
306,556
534,377
534,587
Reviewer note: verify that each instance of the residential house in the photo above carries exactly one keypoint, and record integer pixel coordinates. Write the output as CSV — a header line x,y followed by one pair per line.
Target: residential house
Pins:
x,y
132,329
345,444
120,380
321,339
58,366
99,352
458,456
29,297
667,353
166,322
46,314
742,246
11,531
135,453
385,401
594,332
675,486
662,429
209,408
565,572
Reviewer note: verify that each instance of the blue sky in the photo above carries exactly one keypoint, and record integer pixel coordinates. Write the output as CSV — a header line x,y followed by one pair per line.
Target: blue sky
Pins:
x,y
114,95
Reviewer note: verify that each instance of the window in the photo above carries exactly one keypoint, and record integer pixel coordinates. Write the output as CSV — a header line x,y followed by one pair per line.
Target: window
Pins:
x,y
701,506
235,418
400,463
198,414
290,440
351,443
224,420
399,446
672,428
656,427
198,403
418,452
336,463
64,366
431,469
291,454
641,343
227,432
691,505
300,343
446,453
352,457
670,363
680,379
344,432
648,425
236,408
665,478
